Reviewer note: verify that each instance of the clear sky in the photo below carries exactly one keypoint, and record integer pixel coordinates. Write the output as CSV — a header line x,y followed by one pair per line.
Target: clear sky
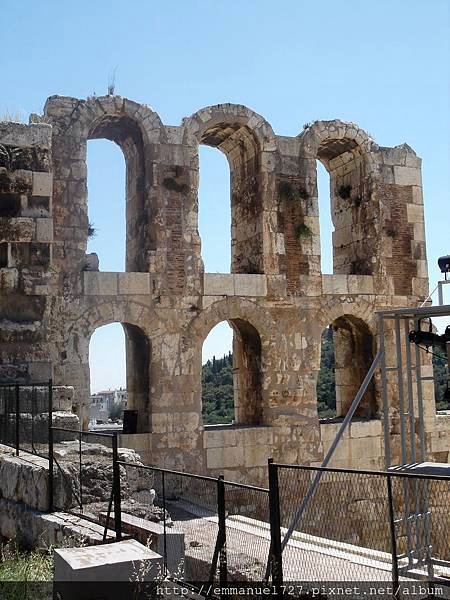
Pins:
x,y
382,63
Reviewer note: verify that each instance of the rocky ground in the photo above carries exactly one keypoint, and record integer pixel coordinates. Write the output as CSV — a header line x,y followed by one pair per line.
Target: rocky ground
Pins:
x,y
86,479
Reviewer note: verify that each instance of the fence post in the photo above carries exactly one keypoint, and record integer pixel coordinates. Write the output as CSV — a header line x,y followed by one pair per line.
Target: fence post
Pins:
x,y
50,445
80,467
275,559
395,579
221,513
163,485
17,418
116,490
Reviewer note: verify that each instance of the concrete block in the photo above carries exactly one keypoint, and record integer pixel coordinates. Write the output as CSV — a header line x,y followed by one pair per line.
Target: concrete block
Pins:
x,y
152,536
334,284
42,184
134,283
100,284
44,230
250,285
218,284
119,561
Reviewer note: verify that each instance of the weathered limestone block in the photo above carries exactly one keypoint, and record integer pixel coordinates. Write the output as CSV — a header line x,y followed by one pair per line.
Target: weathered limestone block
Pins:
x,y
44,230
42,184
100,284
215,284
19,229
9,280
24,481
134,283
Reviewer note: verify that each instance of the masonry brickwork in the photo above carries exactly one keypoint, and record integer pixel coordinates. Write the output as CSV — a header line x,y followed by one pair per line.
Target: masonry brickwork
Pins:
x,y
276,299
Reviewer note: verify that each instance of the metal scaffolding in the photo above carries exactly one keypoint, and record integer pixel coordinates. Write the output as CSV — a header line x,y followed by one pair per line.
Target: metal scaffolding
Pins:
x,y
400,361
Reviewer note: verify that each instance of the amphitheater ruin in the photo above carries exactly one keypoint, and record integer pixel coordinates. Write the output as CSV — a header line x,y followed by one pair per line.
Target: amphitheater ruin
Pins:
x,y
277,301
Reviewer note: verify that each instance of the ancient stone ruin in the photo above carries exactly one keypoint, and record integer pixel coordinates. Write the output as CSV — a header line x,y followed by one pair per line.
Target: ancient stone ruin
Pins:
x,y
276,299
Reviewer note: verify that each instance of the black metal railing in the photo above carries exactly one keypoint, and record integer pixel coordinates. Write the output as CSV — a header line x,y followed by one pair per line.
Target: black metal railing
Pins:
x,y
307,525
214,521
26,417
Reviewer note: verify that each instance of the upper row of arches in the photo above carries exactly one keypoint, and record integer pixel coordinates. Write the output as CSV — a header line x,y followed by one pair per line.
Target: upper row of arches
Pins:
x,y
273,195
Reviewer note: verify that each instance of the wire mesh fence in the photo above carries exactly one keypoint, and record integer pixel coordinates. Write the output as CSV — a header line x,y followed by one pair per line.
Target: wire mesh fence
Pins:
x,y
25,414
422,524
247,532
342,532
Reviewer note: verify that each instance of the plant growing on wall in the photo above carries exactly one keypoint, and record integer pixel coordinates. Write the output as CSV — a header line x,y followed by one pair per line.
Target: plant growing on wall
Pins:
x,y
345,191
290,193
302,231
91,231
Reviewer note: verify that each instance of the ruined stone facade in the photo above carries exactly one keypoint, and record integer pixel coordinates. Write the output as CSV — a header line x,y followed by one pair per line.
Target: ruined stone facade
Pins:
x,y
276,299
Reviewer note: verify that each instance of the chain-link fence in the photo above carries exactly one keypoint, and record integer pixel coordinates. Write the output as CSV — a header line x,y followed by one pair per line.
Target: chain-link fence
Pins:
x,y
25,417
360,526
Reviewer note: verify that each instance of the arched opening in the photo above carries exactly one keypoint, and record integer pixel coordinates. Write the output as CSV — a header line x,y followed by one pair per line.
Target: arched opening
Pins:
x,y
107,367
240,146
214,218
232,384
107,181
119,365
347,352
217,376
106,206
326,223
353,217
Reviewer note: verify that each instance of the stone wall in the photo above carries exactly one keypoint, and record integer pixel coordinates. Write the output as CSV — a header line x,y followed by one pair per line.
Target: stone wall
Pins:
x,y
276,298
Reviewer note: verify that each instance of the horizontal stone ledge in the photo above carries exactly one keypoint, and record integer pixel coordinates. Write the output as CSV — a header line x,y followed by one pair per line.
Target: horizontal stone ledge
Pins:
x,y
234,284
116,284
347,284
221,436
35,135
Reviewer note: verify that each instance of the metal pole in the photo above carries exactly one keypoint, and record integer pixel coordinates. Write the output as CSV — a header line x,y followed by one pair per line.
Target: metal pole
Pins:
x,y
401,398
440,294
275,559
116,488
80,469
418,365
409,388
386,417
395,578
17,419
50,446
164,523
223,570
351,411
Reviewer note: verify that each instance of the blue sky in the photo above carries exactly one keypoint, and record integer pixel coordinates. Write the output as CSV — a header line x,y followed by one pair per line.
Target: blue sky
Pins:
x,y
383,64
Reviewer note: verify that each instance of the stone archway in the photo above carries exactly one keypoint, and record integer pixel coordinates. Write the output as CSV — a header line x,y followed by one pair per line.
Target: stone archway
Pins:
x,y
247,140
139,323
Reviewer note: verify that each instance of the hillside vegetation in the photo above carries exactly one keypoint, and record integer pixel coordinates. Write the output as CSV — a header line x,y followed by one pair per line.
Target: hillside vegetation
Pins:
x,y
217,381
